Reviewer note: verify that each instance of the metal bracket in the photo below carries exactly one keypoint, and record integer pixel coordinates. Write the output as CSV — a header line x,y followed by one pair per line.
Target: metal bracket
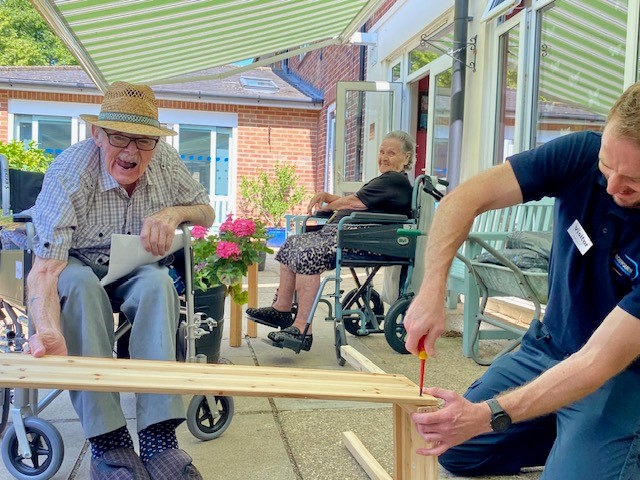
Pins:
x,y
424,41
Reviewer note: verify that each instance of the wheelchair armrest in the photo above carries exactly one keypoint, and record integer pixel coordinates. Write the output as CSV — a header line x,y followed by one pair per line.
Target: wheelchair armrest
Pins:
x,y
368,217
22,217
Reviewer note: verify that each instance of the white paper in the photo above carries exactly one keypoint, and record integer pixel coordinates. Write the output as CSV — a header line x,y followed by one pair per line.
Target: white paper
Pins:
x,y
127,254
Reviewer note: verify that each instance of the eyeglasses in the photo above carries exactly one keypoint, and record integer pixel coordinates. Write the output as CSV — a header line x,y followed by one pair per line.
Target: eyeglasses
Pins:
x,y
122,141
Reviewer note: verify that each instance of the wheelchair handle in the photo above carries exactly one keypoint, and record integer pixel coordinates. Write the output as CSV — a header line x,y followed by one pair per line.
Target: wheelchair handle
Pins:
x,y
409,232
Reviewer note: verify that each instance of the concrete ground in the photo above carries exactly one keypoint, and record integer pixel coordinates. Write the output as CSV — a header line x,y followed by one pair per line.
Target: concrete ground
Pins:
x,y
292,439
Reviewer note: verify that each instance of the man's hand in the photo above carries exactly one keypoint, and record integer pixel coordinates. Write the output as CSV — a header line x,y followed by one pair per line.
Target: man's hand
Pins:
x,y
158,231
47,342
424,318
452,425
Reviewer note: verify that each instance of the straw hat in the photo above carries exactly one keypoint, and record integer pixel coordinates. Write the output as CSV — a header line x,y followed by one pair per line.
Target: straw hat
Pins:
x,y
129,108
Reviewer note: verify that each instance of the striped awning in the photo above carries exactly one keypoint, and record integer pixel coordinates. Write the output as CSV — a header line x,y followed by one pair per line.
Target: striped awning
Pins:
x,y
583,50
161,41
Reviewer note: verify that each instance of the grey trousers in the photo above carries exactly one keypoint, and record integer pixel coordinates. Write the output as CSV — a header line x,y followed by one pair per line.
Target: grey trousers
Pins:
x,y
149,300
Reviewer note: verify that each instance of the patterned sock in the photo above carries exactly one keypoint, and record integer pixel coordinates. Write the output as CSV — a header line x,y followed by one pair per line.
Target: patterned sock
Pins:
x,y
119,438
157,438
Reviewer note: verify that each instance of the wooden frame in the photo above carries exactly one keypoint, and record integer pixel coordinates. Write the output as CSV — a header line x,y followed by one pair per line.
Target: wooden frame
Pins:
x,y
107,375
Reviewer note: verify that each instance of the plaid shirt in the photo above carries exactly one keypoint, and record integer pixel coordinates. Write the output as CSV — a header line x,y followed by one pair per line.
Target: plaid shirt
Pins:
x,y
81,205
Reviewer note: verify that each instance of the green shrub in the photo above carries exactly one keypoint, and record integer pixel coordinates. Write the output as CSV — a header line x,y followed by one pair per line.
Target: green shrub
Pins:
x,y
29,158
270,198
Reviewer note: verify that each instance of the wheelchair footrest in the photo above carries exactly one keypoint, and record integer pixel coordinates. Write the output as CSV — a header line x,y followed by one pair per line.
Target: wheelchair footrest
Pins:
x,y
292,344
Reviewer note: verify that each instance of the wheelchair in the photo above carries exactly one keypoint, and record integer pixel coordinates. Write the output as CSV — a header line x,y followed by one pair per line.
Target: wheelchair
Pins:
x,y
380,240
32,448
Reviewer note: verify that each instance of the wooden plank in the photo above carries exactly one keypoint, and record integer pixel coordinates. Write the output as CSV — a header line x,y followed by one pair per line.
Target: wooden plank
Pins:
x,y
106,374
252,280
408,464
358,360
235,326
364,458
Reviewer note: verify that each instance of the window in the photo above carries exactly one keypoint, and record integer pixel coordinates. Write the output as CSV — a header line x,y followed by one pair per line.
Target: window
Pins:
x,y
508,54
496,8
581,55
424,54
396,73
441,122
259,84
53,134
196,144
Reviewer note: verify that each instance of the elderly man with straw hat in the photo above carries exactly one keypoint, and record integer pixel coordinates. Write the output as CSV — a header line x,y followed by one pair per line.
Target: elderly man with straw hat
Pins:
x,y
123,179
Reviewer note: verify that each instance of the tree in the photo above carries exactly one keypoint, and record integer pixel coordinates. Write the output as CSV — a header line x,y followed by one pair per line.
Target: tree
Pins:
x,y
26,39
29,157
270,198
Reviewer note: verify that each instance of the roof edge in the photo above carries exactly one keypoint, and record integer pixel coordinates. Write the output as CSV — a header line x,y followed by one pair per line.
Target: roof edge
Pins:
x,y
228,99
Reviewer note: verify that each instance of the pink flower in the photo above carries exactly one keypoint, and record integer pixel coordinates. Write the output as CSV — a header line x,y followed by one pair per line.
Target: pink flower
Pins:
x,y
243,228
199,232
227,224
228,250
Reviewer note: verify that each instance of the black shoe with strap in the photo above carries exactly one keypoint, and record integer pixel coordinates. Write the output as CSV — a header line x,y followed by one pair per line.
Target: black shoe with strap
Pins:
x,y
270,317
291,338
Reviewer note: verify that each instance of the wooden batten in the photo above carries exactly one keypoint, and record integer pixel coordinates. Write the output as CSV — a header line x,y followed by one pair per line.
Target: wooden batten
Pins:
x,y
145,376
106,374
364,458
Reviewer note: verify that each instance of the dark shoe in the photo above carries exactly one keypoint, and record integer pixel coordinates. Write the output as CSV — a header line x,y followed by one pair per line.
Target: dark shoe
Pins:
x,y
118,464
270,317
292,338
172,464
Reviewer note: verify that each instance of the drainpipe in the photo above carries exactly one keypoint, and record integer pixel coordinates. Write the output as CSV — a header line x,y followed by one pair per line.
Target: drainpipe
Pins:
x,y
359,132
460,24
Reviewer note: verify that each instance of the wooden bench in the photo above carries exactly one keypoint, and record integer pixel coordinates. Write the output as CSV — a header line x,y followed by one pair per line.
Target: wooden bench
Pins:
x,y
119,375
491,226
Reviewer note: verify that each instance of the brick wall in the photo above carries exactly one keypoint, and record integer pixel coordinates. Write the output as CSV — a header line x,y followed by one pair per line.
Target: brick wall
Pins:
x,y
4,107
265,134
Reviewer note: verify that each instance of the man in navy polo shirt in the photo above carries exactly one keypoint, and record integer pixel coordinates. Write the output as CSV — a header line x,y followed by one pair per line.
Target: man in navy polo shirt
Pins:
x,y
569,398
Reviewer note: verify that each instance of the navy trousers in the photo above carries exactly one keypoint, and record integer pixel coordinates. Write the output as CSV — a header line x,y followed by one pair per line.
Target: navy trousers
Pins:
x,y
595,438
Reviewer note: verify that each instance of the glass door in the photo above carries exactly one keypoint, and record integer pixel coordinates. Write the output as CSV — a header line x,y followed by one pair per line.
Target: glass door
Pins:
x,y
365,112
439,116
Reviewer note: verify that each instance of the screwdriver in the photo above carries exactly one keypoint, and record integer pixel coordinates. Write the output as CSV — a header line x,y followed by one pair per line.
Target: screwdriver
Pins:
x,y
422,355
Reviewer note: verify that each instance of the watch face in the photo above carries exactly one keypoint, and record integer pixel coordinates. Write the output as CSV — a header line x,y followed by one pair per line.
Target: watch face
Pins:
x,y
500,422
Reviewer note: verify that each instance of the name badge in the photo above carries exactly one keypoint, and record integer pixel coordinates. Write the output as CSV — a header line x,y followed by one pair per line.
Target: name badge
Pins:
x,y
580,237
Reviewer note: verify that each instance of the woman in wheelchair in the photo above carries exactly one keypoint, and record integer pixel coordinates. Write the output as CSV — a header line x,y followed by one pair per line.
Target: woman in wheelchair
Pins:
x,y
305,256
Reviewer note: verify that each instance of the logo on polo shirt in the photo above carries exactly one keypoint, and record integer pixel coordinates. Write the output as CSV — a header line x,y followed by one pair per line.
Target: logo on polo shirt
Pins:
x,y
625,266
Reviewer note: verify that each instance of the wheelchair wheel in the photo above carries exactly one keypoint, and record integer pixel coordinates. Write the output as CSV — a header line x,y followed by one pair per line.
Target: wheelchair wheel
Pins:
x,y
394,330
5,398
205,422
352,322
340,339
47,451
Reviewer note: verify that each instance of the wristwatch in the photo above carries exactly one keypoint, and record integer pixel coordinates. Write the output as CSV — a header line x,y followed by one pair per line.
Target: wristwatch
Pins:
x,y
500,420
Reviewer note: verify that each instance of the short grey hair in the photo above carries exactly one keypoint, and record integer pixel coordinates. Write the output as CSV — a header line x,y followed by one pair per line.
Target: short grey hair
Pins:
x,y
408,144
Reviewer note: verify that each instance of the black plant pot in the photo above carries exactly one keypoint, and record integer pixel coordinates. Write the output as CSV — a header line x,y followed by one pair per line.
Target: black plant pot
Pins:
x,y
211,303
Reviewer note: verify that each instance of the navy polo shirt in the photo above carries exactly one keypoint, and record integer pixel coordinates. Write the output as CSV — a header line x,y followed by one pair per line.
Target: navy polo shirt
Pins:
x,y
583,288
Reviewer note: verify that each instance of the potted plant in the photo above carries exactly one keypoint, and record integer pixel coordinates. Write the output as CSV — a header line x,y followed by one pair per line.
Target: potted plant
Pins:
x,y
270,197
27,165
220,261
